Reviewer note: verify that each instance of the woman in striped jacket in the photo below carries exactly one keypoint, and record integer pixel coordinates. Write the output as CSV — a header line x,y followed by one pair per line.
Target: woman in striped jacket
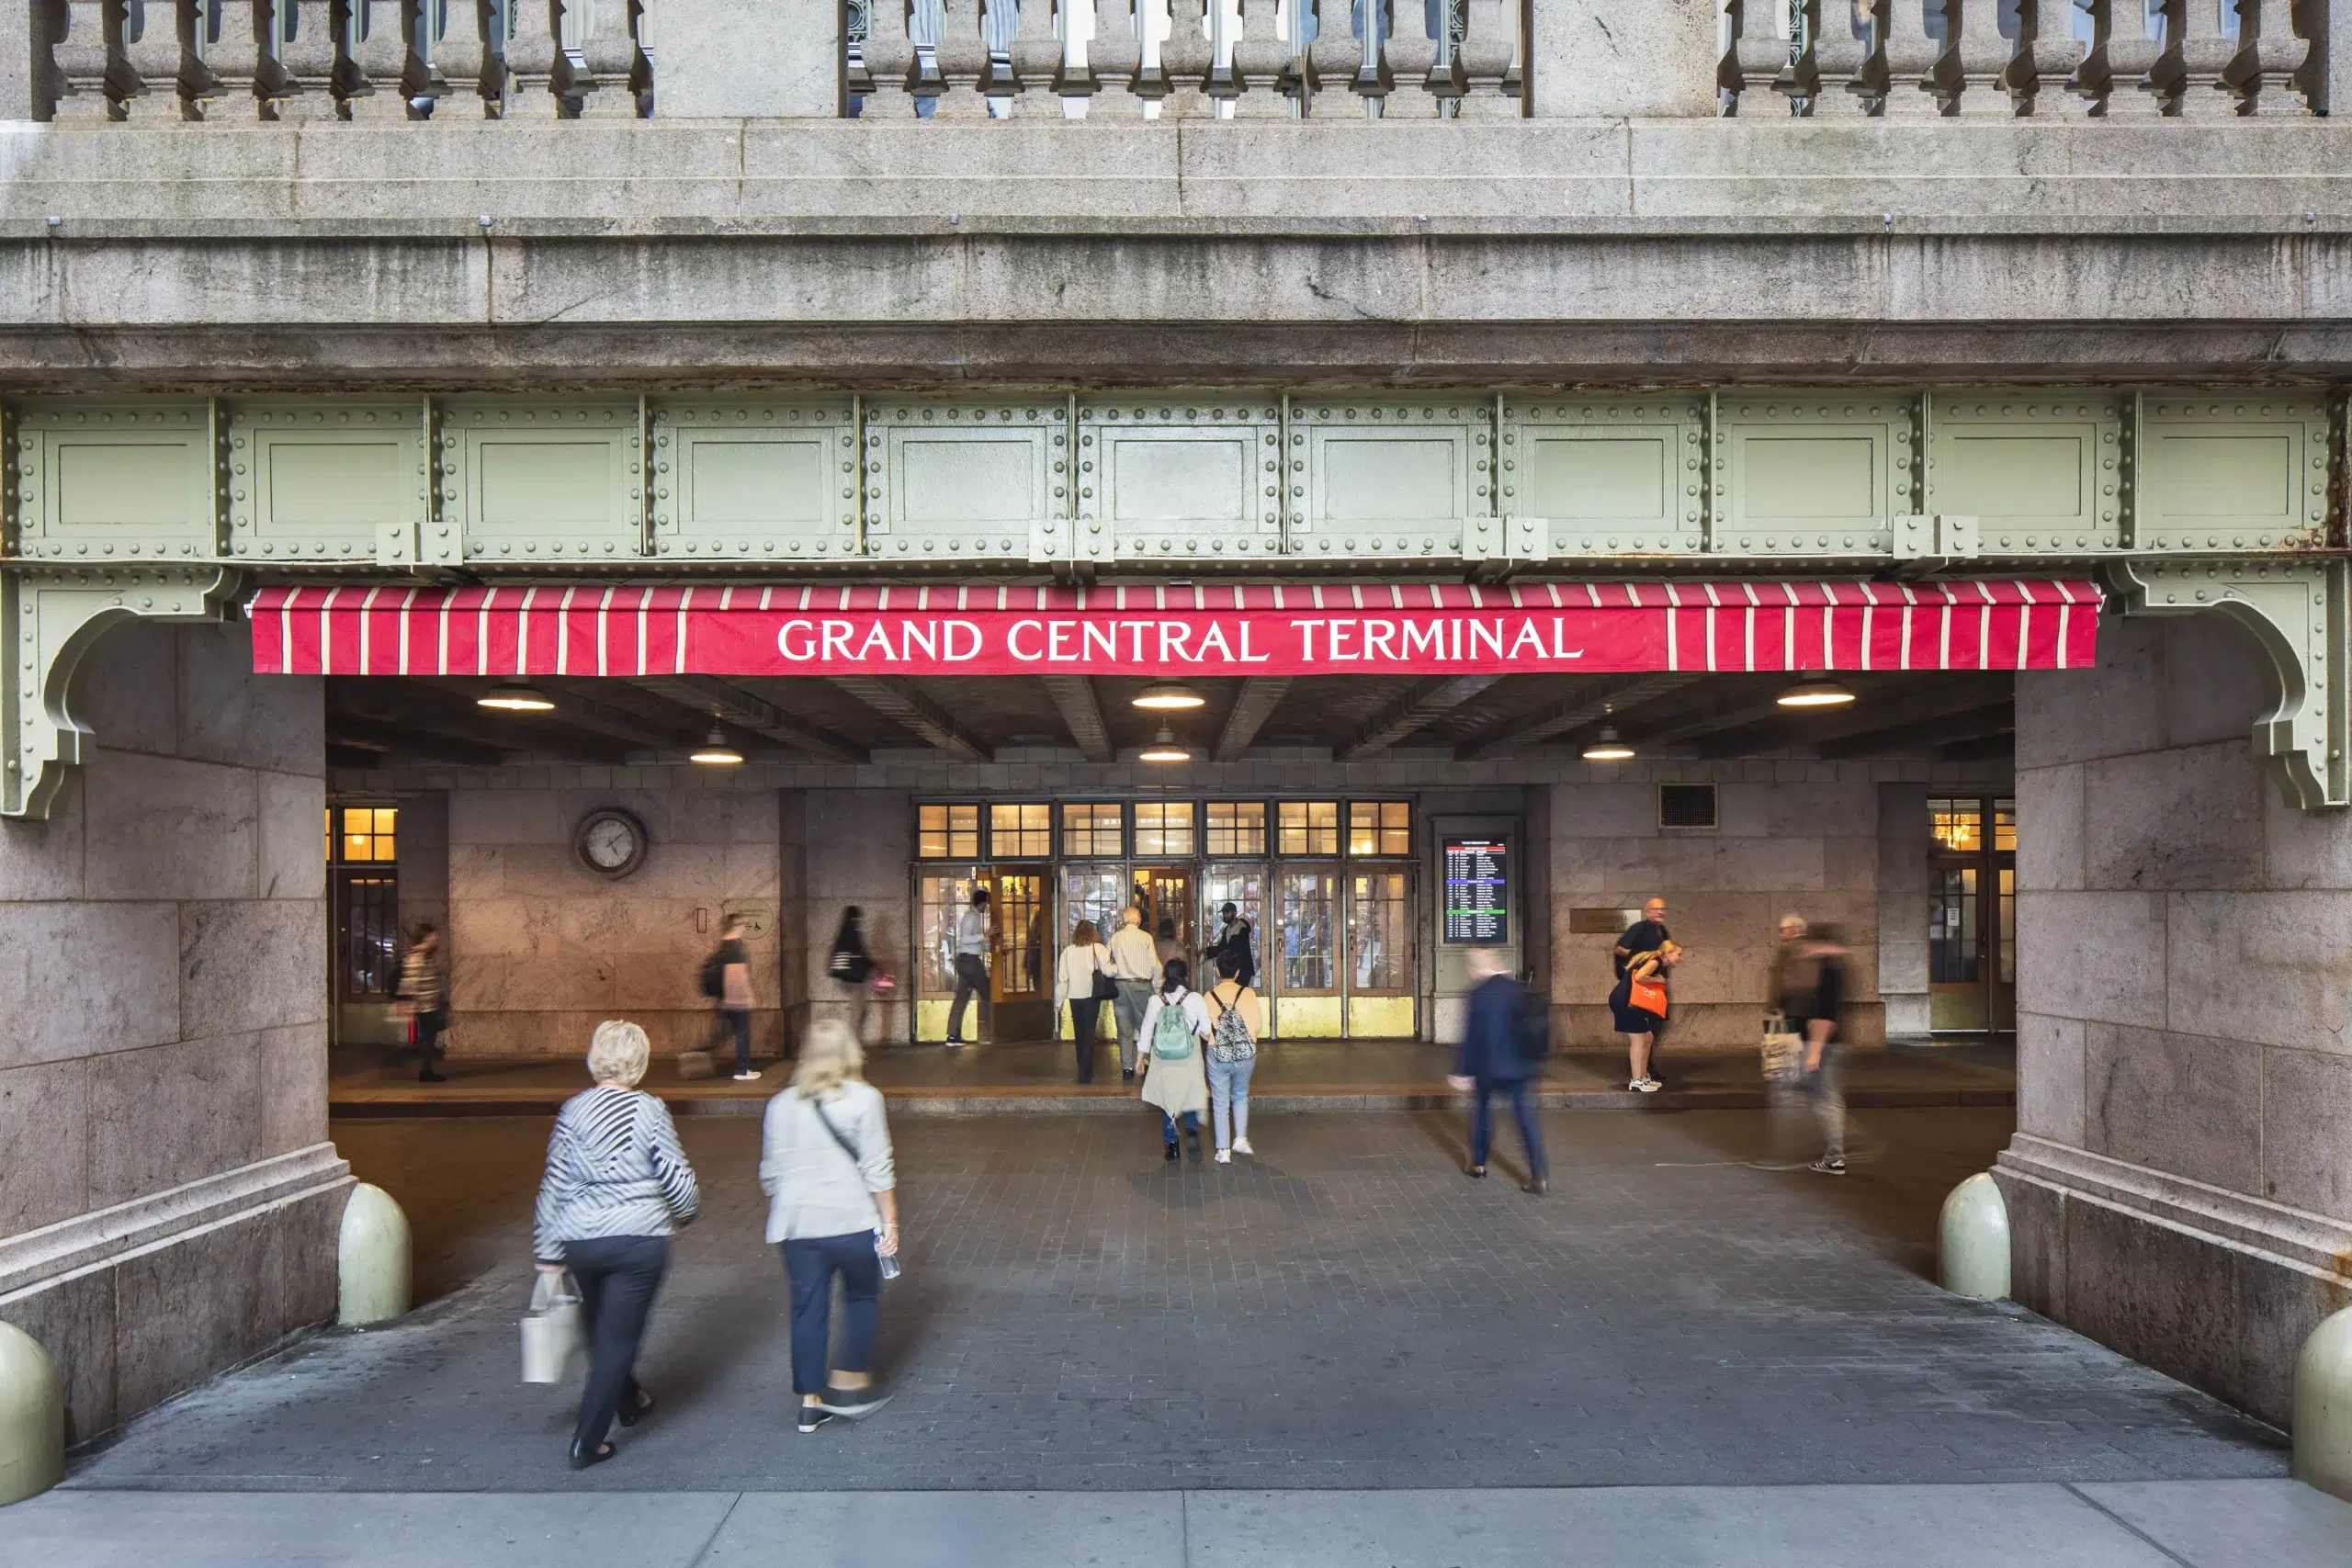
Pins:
x,y
617,1187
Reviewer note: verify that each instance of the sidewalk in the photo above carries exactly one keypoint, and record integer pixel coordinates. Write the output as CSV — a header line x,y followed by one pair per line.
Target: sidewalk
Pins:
x,y
1037,1077
2172,1524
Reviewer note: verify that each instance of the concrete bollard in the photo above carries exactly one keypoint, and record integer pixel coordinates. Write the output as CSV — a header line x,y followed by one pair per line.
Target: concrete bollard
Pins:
x,y
1973,1250
371,1259
2323,1407
33,1418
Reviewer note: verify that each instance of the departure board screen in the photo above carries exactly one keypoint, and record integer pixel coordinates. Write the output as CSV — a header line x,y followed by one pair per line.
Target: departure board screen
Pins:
x,y
1477,892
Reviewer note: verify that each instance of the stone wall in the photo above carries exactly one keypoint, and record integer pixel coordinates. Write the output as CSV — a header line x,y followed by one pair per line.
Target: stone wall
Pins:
x,y
168,1201
542,948
1801,836
2179,1185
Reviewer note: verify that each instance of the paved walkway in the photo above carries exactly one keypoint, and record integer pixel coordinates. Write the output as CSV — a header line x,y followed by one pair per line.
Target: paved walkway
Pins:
x,y
1343,1312
1292,1074
2223,1524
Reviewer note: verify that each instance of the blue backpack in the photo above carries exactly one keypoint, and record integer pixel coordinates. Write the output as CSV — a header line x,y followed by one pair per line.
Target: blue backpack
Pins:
x,y
1171,1037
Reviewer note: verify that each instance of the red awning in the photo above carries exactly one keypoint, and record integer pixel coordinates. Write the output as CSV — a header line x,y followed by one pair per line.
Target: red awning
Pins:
x,y
1194,629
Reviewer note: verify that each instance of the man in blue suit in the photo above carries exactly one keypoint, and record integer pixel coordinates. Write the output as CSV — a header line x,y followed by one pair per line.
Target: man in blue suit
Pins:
x,y
1491,1060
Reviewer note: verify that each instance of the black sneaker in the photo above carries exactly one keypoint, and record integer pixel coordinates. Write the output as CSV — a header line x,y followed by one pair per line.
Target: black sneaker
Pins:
x,y
855,1406
1126,1075
813,1417
1829,1166
1171,1155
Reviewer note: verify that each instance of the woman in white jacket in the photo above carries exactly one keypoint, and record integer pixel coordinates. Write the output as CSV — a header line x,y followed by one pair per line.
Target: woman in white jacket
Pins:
x,y
1176,1083
1084,958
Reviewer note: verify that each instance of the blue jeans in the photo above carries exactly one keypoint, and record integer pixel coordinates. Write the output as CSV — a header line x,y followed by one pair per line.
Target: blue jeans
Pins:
x,y
1522,1109
810,1263
739,1021
1168,1125
1229,1099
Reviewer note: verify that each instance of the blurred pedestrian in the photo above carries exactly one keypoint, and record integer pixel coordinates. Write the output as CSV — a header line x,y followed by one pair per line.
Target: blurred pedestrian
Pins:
x,y
617,1187
733,962
826,1166
1821,990
1237,1018
1135,966
1175,1029
851,967
1236,936
1167,946
1642,959
971,967
1492,1060
423,994
1080,976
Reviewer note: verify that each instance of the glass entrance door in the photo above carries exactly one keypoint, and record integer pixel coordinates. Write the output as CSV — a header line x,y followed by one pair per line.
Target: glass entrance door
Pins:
x,y
1243,886
1307,1003
1021,953
1164,894
940,899
1380,955
1971,916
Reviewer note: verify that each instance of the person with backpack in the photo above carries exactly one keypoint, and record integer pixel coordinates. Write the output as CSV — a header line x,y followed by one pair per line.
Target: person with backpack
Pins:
x,y
1236,1017
1493,1059
851,966
1175,1027
727,981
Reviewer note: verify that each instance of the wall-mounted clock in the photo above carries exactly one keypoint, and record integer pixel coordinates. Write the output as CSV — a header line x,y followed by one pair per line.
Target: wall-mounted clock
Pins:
x,y
610,842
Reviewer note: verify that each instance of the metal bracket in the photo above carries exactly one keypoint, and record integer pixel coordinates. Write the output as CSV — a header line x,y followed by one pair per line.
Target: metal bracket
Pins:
x,y
51,618
2295,612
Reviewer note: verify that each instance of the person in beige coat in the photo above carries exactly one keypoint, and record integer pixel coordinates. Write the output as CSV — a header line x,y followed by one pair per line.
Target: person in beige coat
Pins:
x,y
1177,1084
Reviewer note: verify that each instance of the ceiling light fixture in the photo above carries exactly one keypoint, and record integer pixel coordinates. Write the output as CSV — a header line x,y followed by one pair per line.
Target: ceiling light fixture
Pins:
x,y
1816,695
1607,747
514,694
1168,696
1164,749
716,753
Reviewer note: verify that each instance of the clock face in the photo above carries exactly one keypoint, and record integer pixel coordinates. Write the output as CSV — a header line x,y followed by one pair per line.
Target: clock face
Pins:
x,y
610,842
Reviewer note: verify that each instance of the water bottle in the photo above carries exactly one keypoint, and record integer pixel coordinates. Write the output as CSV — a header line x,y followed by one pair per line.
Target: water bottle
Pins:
x,y
889,1260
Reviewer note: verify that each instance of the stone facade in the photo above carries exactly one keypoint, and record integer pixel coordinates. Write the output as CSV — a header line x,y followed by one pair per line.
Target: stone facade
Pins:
x,y
2177,1187
162,976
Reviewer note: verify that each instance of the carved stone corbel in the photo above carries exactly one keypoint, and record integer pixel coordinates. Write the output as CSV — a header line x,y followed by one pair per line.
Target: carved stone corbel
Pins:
x,y
52,618
2295,612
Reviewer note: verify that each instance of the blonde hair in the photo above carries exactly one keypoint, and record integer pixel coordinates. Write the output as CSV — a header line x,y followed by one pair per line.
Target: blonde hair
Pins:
x,y
829,1056
619,1051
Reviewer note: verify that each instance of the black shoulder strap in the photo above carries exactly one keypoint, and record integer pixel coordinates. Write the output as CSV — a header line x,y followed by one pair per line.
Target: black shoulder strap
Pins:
x,y
847,1147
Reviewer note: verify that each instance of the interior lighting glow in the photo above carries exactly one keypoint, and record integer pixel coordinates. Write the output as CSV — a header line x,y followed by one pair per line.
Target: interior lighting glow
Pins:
x,y
716,753
1607,747
516,694
1164,749
1167,695
1816,695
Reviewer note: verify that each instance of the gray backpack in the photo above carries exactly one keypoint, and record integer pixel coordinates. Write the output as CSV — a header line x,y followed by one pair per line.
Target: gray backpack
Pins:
x,y
1229,1037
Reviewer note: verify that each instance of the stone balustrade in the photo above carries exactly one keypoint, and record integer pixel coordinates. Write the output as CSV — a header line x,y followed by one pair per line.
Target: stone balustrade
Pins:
x,y
2199,60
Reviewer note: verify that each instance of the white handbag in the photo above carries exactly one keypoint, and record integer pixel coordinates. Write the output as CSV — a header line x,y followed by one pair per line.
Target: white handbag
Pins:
x,y
1783,1051
552,1335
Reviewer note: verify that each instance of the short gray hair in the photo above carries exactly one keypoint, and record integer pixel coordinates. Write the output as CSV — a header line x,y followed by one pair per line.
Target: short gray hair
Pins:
x,y
829,1056
619,1051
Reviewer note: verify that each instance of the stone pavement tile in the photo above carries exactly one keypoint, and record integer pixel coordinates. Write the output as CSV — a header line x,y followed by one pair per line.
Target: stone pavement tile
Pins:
x,y
2223,1524
1667,1526
258,1530
953,1529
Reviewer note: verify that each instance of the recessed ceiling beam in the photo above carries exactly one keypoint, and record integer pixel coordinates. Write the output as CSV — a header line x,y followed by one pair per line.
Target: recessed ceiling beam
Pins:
x,y
914,712
1905,732
1081,715
405,741
1420,705
431,708
724,700
1259,697
1588,706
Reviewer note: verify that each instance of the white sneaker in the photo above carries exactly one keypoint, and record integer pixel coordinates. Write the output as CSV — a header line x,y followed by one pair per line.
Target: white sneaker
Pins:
x,y
752,1076
1646,1086
1225,1156
1241,1147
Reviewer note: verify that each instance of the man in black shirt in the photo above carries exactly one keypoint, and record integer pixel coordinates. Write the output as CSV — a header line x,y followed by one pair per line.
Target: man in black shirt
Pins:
x,y
1641,1028
1235,939
1825,1008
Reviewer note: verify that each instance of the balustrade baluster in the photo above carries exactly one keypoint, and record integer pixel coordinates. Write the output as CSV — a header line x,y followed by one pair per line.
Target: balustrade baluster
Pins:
x,y
530,42
1844,59
1490,56
1185,58
227,36
1758,59
890,60
150,58
1000,82
452,62
594,59
2268,61
2056,60
1982,61
1915,62
962,56
1333,55
1075,83
2206,52
1224,84
1372,23
2139,66
301,83
372,64
1035,52
89,77
196,25
1152,23
1447,82
1261,59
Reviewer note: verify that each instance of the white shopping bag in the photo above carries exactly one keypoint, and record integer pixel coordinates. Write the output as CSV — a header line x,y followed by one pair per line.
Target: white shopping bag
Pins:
x,y
551,1329
1783,1051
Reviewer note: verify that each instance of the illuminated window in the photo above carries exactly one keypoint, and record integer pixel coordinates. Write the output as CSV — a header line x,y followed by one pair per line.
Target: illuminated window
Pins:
x,y
1092,830
1380,828
1957,824
1237,826
367,835
2005,826
947,832
1308,826
1021,833
1164,827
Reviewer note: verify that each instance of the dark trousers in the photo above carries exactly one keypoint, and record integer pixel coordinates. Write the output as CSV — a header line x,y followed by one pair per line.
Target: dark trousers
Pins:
x,y
810,1264
429,1026
618,1276
1191,1120
1482,1124
1085,1018
737,1020
971,979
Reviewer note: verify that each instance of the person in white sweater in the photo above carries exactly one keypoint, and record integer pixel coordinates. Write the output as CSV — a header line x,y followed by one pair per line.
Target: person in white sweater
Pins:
x,y
1080,961
825,1164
